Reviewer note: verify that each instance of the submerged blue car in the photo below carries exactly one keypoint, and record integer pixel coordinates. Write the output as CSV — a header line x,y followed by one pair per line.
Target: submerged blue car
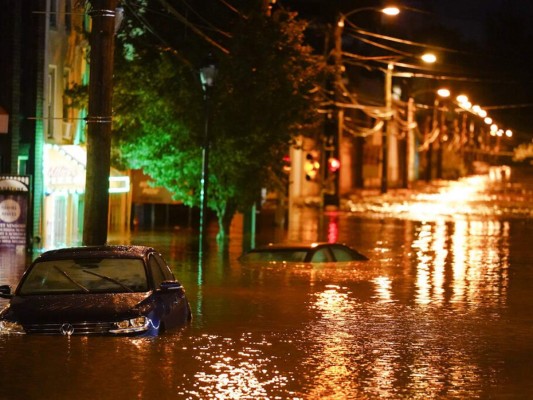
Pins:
x,y
102,290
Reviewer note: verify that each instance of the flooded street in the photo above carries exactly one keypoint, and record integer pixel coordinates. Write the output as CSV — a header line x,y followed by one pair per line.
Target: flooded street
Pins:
x,y
441,310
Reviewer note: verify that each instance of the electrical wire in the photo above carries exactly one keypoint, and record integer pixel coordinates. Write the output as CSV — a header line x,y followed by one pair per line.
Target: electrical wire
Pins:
x,y
404,41
213,27
171,10
232,8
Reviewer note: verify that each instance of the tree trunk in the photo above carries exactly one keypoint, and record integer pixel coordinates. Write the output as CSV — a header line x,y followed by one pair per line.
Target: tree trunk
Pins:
x,y
225,216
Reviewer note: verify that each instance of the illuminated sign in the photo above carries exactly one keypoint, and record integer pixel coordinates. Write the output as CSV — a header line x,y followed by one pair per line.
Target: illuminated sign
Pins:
x,y
14,191
64,171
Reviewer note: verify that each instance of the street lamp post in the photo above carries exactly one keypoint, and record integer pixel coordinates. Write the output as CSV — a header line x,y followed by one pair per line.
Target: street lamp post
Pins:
x,y
386,132
389,11
208,74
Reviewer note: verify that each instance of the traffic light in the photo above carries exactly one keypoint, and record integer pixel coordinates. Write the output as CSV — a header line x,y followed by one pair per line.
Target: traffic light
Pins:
x,y
287,164
311,166
333,164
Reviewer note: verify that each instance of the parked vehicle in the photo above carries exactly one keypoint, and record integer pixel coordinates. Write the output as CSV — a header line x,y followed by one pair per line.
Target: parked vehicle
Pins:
x,y
301,252
104,290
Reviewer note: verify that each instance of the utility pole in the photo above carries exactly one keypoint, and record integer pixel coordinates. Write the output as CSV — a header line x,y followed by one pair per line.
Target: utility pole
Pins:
x,y
386,129
333,123
410,144
102,41
440,151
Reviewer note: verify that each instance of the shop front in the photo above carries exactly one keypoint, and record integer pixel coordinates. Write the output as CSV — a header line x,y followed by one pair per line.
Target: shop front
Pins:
x,y
64,189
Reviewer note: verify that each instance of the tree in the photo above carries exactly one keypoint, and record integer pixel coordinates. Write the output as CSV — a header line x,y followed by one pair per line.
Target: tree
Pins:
x,y
266,92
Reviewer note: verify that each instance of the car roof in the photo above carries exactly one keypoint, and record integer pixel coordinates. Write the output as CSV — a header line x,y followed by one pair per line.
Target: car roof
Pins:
x,y
118,251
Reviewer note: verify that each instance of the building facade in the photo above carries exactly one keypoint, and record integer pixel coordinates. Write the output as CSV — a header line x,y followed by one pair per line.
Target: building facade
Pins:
x,y
47,48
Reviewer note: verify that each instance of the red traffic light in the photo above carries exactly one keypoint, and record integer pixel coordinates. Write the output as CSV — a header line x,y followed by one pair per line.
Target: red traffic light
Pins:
x,y
287,164
333,164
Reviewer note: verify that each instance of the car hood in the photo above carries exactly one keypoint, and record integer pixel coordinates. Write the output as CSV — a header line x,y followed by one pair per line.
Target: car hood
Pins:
x,y
78,307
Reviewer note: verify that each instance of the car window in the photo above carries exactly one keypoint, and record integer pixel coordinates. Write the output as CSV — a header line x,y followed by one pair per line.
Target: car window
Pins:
x,y
87,275
321,255
167,273
342,254
155,269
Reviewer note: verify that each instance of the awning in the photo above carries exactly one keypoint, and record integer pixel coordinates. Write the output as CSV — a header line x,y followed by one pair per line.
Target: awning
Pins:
x,y
64,170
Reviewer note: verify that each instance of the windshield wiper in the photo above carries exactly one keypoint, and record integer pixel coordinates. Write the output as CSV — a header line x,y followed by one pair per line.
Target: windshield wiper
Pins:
x,y
108,278
71,279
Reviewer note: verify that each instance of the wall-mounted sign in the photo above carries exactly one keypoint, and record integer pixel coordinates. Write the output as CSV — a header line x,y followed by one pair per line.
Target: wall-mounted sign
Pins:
x,y
14,201
145,192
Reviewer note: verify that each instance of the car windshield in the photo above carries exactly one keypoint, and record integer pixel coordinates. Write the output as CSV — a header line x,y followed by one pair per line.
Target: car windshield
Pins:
x,y
108,275
275,256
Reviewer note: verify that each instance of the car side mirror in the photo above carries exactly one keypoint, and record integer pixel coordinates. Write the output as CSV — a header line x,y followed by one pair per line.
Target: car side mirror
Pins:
x,y
5,292
170,286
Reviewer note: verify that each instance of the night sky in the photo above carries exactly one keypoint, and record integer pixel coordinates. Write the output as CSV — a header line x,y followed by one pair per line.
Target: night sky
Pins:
x,y
469,16
499,61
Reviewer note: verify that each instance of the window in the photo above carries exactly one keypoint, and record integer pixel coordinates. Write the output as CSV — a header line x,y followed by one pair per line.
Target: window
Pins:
x,y
53,14
342,254
108,275
346,254
66,84
68,16
50,105
167,273
157,274
22,168
321,255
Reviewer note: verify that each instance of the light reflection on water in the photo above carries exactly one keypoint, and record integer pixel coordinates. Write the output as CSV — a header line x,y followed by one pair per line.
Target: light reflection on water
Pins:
x,y
442,310
478,267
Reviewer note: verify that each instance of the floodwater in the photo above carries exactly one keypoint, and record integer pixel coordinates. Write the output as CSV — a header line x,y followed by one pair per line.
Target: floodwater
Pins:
x,y
441,311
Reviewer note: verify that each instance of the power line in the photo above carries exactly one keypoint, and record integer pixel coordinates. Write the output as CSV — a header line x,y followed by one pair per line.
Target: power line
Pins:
x,y
213,27
404,41
185,21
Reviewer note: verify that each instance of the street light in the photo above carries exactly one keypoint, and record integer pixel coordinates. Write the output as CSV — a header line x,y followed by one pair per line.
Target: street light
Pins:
x,y
395,61
388,11
427,58
208,73
392,11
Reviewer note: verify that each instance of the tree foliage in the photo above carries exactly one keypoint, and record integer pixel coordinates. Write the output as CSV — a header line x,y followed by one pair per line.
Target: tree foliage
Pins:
x,y
265,93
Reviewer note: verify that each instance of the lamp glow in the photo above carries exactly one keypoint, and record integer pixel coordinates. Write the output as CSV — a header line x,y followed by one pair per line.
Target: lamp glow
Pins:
x,y
462,98
443,92
429,58
392,11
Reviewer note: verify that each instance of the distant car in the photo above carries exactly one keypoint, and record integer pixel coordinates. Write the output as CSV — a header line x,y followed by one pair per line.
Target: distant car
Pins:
x,y
103,290
303,253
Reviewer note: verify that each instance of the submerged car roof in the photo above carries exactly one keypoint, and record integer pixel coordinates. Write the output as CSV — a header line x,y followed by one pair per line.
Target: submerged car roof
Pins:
x,y
120,251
